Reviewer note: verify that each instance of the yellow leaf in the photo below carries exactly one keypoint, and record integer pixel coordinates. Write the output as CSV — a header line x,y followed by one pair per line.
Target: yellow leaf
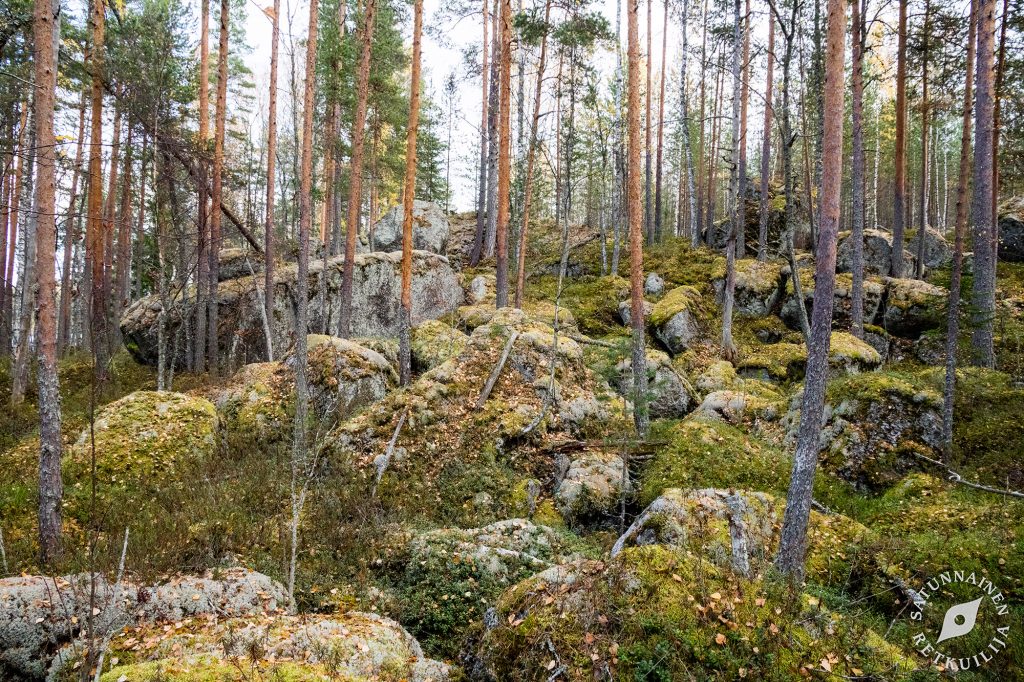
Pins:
x,y
720,639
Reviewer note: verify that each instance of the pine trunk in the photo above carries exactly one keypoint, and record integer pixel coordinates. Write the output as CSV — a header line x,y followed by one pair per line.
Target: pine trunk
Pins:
x,y
51,489
531,154
405,323
268,224
984,282
793,540
857,169
766,147
960,228
641,418
217,194
356,175
899,200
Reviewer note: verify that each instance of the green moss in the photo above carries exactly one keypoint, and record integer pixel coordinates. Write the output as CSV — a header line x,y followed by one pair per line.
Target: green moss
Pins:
x,y
594,301
903,382
779,361
207,669
704,453
143,437
434,342
657,614
680,299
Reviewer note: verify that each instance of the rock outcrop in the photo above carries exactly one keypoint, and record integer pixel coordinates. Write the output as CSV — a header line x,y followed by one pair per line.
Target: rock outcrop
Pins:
x,y
41,617
1011,230
375,306
430,229
668,396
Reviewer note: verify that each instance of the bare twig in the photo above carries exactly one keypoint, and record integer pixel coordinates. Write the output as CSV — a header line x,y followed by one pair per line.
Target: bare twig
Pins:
x,y
496,372
386,460
955,477
105,643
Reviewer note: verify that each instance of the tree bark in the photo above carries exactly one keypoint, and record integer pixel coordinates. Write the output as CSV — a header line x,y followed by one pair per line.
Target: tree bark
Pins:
x,y
356,175
216,196
899,200
95,243
741,206
71,238
405,323
728,346
123,270
268,224
203,197
766,147
658,210
648,214
481,204
46,29
984,282
687,146
300,453
641,419
960,228
997,95
504,155
857,168
922,226
793,541
531,154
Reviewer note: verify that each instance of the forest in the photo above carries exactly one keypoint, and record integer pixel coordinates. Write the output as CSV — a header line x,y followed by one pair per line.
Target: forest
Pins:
x,y
511,340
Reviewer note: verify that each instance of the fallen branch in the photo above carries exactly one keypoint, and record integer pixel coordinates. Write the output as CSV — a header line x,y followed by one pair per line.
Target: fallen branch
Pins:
x,y
955,477
579,338
385,461
496,372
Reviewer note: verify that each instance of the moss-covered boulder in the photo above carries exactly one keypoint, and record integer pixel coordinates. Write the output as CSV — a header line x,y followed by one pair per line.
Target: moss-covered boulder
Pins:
x,y
734,406
788,361
674,318
257,400
434,342
352,646
658,613
842,299
739,529
913,306
142,439
717,376
452,576
874,424
877,253
592,486
759,286
667,392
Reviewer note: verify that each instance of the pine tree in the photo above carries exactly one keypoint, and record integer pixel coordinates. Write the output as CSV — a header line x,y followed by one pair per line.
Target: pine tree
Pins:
x,y
793,540
641,418
405,323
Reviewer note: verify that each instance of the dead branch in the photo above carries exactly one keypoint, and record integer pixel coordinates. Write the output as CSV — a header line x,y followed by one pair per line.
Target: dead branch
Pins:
x,y
955,477
496,372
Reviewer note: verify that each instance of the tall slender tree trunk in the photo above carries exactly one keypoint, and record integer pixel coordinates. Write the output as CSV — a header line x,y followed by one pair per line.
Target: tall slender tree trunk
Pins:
x,y
203,198
504,155
899,199
95,243
922,227
984,281
531,154
766,147
123,270
857,169
735,226
141,223
641,419
648,194
356,175
658,210
1000,69
793,541
490,233
960,228
619,156
46,30
27,302
405,323
481,203
217,193
268,224
716,133
15,212
741,205
300,453
687,146
71,238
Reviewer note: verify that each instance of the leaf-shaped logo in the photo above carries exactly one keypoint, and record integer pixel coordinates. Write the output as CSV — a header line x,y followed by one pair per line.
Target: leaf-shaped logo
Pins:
x,y
959,620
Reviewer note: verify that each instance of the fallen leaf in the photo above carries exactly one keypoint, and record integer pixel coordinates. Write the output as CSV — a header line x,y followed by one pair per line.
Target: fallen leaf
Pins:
x,y
720,639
